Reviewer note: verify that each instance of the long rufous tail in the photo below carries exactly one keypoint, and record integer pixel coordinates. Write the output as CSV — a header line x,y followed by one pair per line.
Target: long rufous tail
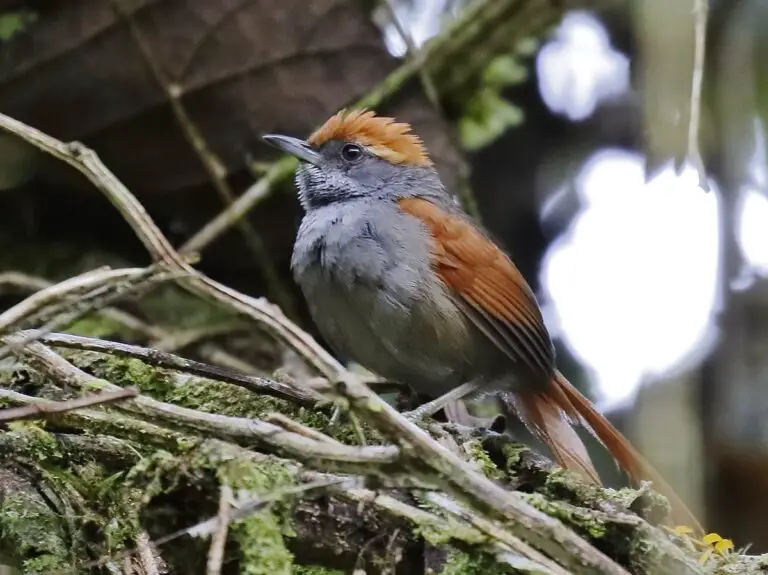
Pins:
x,y
550,417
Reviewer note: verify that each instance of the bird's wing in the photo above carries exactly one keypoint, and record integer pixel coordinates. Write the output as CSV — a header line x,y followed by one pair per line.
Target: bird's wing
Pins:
x,y
487,286
495,297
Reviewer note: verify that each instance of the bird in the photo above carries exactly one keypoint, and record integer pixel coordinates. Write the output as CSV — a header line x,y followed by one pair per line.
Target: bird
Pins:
x,y
398,278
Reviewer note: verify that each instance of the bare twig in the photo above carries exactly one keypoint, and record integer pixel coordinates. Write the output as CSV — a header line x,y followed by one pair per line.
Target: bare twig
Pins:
x,y
62,304
76,286
167,360
41,410
694,153
219,538
210,161
290,425
260,190
160,337
148,558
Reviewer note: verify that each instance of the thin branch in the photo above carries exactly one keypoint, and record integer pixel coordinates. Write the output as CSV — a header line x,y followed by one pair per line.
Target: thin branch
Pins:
x,y
160,337
209,160
237,210
76,286
700,13
167,360
290,425
64,303
219,538
42,410
87,162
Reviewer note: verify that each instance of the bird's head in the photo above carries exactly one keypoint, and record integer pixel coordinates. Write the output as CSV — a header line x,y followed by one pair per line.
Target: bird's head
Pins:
x,y
356,155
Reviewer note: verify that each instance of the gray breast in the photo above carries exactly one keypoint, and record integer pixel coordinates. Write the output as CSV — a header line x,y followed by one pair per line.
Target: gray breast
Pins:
x,y
365,272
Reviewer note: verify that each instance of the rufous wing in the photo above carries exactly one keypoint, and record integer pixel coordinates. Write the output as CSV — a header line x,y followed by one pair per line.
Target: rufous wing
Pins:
x,y
487,286
493,294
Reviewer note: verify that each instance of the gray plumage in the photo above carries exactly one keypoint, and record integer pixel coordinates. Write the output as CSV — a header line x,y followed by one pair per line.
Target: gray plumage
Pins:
x,y
364,269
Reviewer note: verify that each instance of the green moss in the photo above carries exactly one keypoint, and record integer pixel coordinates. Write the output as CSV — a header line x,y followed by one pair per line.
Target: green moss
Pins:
x,y
113,506
474,448
512,453
460,563
211,396
314,570
224,399
39,445
127,372
33,533
260,535
94,514
583,520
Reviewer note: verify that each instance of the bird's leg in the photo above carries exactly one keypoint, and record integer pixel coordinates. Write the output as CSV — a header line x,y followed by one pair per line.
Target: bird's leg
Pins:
x,y
432,407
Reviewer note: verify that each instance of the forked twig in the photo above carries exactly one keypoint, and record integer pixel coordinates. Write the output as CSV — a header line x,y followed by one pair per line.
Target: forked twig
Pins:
x,y
41,410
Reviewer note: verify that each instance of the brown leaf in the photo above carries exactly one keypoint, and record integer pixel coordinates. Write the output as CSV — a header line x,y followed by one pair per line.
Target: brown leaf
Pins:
x,y
244,67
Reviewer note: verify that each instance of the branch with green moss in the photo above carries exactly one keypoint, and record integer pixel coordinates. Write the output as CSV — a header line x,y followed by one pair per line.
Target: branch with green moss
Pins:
x,y
146,466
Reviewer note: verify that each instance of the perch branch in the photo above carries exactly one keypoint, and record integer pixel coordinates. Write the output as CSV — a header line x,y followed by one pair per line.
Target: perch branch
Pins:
x,y
458,478
167,360
236,211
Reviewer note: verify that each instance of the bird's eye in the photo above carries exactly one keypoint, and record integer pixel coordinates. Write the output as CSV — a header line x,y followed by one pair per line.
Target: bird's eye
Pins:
x,y
351,153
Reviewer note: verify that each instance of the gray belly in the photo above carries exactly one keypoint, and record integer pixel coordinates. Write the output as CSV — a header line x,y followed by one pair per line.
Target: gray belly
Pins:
x,y
377,302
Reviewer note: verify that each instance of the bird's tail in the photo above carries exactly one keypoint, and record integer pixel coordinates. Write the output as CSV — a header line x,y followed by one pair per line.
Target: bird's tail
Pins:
x,y
549,416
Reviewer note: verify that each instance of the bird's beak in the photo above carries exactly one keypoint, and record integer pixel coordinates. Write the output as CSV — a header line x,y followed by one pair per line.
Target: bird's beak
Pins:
x,y
295,147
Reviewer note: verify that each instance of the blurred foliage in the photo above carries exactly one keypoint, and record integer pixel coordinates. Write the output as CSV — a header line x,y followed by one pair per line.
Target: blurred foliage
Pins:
x,y
15,21
487,114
